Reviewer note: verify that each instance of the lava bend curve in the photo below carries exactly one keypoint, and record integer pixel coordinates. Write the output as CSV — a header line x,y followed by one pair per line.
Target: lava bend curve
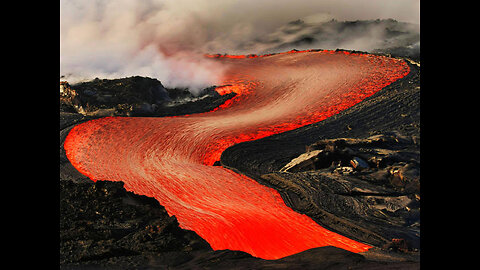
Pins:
x,y
171,158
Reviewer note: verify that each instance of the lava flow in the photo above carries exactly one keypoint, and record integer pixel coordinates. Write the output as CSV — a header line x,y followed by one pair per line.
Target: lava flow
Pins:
x,y
170,158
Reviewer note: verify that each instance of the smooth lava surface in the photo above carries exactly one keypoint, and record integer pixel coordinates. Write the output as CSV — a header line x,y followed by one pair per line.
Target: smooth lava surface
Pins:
x,y
171,158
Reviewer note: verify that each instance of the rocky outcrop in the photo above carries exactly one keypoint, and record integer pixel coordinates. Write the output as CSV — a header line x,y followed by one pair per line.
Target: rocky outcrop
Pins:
x,y
365,188
69,99
134,96
303,162
388,165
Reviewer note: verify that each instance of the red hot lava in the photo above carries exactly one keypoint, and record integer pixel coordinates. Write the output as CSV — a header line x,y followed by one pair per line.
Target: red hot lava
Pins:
x,y
170,158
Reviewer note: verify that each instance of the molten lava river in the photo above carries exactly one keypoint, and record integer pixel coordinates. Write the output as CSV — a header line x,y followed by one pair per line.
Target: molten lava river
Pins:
x,y
171,158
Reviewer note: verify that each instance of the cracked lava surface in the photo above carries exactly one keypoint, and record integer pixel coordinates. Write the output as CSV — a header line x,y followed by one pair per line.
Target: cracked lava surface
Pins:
x,y
171,158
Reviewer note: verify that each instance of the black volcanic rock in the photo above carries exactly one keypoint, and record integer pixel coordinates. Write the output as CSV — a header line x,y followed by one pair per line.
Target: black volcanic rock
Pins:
x,y
101,224
136,96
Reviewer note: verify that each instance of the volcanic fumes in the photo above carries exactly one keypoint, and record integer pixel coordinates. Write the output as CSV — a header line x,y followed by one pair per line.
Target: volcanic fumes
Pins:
x,y
170,158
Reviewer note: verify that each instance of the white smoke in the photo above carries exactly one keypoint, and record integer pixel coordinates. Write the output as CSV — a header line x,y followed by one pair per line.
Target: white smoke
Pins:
x,y
166,39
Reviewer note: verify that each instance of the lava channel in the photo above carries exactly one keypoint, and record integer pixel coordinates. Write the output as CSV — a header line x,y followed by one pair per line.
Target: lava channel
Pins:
x,y
171,158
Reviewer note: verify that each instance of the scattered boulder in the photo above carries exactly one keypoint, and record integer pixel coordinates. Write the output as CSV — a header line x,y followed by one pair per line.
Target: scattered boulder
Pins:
x,y
303,162
405,177
343,170
359,163
397,244
70,99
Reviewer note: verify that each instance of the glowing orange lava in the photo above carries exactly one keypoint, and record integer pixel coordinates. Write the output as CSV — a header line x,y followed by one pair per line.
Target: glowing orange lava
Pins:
x,y
170,158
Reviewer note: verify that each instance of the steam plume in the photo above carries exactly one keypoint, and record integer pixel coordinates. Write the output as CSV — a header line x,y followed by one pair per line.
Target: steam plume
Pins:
x,y
167,39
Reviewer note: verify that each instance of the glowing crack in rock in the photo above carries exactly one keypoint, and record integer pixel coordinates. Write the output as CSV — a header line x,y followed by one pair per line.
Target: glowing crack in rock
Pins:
x,y
170,158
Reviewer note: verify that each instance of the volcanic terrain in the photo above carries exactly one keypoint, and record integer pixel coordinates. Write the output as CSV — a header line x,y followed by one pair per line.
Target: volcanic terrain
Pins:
x,y
352,199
